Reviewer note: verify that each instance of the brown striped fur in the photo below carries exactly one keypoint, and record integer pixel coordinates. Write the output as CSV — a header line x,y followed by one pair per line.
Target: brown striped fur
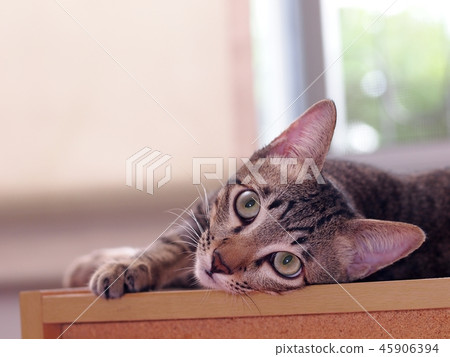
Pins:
x,y
360,223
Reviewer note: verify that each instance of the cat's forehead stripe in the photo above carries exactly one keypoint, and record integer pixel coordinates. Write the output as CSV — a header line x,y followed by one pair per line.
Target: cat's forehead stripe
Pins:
x,y
266,191
305,229
290,205
340,212
307,255
223,200
300,240
276,203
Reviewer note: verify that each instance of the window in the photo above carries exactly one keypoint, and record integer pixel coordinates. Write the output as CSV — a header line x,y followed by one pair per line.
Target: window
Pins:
x,y
385,63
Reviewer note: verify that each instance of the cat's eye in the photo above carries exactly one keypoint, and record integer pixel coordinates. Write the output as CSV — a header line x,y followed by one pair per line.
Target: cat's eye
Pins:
x,y
247,205
287,264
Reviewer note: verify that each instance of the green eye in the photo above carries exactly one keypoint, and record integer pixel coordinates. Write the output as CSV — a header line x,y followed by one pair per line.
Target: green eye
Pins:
x,y
287,264
247,205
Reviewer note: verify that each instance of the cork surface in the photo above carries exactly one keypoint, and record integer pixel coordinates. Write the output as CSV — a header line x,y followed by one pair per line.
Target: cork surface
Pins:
x,y
401,309
431,323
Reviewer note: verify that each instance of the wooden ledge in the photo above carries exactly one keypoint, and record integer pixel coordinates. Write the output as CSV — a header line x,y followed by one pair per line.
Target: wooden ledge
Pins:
x,y
45,313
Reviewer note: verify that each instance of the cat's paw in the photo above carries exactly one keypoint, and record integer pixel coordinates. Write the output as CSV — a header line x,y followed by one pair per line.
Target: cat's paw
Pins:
x,y
113,279
81,270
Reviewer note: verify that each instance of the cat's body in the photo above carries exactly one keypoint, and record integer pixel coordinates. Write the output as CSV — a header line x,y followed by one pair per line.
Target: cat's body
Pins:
x,y
280,233
420,199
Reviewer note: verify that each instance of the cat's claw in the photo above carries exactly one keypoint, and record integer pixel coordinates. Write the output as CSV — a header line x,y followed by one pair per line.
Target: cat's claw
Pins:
x,y
113,279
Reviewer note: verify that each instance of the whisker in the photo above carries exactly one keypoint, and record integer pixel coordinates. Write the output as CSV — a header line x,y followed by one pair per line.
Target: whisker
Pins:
x,y
191,214
188,228
206,202
193,280
173,211
207,293
245,301
187,242
191,256
194,245
188,211
201,196
190,236
191,269
188,224
248,296
198,224
190,233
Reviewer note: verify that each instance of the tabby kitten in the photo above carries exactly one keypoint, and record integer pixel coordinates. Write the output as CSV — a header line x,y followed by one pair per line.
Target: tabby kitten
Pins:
x,y
276,227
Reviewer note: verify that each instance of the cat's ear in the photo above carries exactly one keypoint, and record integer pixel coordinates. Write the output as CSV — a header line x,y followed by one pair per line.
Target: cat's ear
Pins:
x,y
378,244
309,136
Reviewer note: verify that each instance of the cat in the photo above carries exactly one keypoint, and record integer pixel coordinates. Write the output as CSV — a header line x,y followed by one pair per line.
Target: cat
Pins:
x,y
349,222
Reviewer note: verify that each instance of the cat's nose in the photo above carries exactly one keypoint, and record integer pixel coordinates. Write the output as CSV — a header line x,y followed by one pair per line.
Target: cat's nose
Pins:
x,y
218,265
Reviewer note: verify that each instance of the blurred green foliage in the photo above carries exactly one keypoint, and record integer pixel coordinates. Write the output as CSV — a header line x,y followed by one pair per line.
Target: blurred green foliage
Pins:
x,y
411,51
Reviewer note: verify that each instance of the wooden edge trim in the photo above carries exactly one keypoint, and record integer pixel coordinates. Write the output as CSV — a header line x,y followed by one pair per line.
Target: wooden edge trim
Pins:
x,y
31,314
194,304
31,317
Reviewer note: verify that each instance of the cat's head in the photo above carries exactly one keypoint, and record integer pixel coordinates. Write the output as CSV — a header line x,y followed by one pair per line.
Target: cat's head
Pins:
x,y
279,224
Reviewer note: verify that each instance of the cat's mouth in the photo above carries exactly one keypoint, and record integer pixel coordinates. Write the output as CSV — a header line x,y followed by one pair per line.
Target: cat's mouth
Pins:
x,y
211,275
211,280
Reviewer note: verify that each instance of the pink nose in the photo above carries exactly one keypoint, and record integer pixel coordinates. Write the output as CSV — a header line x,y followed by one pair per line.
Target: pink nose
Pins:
x,y
218,265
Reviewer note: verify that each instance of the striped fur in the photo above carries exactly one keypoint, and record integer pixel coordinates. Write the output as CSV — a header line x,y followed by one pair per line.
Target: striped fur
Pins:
x,y
361,223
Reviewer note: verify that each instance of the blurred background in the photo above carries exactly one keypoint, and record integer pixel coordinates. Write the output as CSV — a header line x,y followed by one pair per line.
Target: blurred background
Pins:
x,y
85,85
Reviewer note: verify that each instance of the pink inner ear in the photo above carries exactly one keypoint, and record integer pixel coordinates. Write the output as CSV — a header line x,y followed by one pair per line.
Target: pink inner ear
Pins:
x,y
381,243
309,136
